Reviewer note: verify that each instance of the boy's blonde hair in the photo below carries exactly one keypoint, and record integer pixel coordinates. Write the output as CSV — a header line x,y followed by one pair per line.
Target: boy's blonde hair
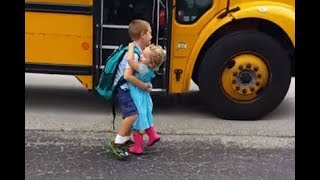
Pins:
x,y
136,27
157,56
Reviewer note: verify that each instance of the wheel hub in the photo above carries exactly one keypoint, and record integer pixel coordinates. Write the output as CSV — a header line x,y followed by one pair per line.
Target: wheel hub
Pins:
x,y
246,75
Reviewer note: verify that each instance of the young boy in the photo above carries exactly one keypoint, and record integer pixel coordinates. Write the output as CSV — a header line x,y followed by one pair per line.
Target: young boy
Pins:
x,y
140,33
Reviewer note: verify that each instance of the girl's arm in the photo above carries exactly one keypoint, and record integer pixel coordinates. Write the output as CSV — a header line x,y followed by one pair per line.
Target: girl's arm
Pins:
x,y
133,64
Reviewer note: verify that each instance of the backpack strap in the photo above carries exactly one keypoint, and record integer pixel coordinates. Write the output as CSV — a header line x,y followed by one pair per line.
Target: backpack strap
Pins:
x,y
120,82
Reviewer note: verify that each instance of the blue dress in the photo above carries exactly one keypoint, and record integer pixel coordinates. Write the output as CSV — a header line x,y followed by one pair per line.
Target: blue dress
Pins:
x,y
142,99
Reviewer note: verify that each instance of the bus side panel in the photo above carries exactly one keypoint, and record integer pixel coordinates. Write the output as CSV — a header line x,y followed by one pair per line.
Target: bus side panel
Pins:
x,y
58,39
72,2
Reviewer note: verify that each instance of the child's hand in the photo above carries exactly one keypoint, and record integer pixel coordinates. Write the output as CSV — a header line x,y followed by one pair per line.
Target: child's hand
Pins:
x,y
149,89
131,45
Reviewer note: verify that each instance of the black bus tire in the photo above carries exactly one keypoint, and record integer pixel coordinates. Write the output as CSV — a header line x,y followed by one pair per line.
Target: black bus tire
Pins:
x,y
260,44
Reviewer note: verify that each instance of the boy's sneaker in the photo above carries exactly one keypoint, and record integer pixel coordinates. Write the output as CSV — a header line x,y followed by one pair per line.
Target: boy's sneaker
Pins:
x,y
120,151
128,144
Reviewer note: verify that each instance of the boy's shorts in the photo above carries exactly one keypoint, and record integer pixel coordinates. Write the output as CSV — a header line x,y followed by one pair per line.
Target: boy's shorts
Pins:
x,y
127,106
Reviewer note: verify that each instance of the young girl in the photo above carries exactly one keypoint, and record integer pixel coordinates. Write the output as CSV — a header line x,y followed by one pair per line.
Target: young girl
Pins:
x,y
150,59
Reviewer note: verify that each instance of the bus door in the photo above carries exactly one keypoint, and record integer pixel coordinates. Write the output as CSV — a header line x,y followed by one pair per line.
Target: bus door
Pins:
x,y
115,17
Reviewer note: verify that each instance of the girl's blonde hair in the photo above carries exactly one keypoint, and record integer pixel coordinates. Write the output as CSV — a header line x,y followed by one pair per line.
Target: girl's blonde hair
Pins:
x,y
157,56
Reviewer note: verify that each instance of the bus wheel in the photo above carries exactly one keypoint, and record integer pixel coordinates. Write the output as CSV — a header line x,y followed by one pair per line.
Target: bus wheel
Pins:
x,y
244,76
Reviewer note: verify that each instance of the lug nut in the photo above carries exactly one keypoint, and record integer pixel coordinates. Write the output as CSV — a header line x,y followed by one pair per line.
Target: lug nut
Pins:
x,y
249,66
234,81
252,89
258,83
235,74
244,91
259,76
255,68
241,67
237,88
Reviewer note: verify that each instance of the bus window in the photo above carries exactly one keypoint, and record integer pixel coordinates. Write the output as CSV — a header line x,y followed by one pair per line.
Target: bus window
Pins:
x,y
142,9
121,12
116,12
189,11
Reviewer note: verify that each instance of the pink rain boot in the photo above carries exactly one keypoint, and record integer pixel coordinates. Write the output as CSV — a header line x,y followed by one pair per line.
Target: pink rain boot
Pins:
x,y
138,143
153,136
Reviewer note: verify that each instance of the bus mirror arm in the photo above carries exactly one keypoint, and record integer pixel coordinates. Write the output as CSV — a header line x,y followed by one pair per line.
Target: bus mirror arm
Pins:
x,y
224,14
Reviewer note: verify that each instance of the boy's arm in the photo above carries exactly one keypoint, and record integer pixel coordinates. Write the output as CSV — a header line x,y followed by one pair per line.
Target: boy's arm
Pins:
x,y
133,64
128,75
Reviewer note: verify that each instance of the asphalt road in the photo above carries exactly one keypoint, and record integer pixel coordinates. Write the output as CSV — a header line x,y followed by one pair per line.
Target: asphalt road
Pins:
x,y
50,156
67,127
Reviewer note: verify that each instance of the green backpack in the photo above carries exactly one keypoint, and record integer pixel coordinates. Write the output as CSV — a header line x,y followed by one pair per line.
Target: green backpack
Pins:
x,y
105,86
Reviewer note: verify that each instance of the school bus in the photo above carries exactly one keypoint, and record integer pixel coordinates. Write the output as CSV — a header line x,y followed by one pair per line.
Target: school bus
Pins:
x,y
241,53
